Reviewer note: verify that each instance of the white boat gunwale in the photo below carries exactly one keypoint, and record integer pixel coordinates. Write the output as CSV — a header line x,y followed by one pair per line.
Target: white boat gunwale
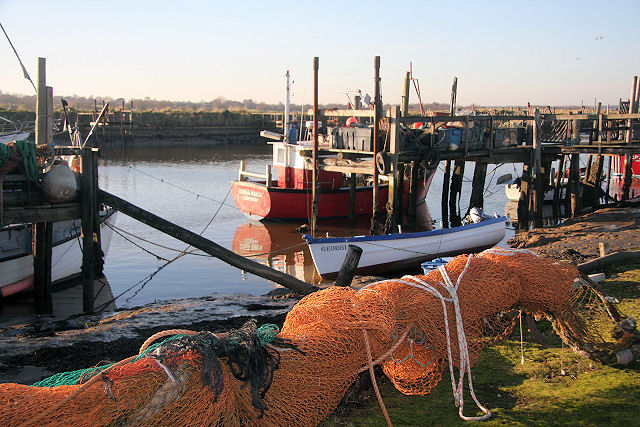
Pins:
x,y
395,236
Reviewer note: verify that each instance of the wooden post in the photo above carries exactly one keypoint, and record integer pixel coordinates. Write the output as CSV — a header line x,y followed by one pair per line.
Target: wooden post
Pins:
x,y
349,266
87,205
395,146
49,121
444,203
454,95
632,109
413,194
315,187
204,245
525,197
41,103
456,189
608,191
376,214
405,95
42,249
538,180
95,209
477,186
633,106
42,231
626,181
557,187
574,182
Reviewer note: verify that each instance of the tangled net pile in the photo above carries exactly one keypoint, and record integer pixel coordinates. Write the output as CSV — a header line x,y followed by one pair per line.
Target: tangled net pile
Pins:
x,y
416,327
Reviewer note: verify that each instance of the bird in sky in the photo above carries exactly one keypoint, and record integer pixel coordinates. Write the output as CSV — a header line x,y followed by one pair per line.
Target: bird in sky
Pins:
x,y
578,59
600,37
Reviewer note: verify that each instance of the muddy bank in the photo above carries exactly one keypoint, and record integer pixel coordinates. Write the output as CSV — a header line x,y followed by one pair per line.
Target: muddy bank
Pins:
x,y
35,346
577,240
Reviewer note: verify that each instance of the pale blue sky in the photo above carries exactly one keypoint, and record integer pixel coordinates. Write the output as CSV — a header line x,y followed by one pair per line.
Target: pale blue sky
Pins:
x,y
503,52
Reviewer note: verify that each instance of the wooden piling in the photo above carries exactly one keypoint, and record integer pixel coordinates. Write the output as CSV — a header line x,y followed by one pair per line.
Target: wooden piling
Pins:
x,y
444,203
42,249
405,95
413,194
456,189
349,266
395,184
375,209
574,182
315,187
477,186
42,232
538,176
525,197
87,204
627,176
557,187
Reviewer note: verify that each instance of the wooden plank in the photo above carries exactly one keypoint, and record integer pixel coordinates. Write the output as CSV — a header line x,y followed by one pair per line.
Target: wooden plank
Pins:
x,y
17,214
205,245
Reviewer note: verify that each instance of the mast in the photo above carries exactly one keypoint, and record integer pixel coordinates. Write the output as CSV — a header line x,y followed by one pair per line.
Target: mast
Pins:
x,y
286,111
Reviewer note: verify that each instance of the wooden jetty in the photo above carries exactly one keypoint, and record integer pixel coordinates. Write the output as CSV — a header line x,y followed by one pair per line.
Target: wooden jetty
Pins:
x,y
532,138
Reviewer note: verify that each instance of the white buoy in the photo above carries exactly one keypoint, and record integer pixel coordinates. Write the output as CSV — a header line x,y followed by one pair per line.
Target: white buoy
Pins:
x,y
59,184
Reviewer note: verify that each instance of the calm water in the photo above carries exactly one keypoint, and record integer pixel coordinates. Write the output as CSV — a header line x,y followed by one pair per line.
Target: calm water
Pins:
x,y
191,189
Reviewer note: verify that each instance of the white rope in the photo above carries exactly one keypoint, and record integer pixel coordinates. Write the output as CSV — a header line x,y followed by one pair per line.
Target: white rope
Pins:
x,y
465,364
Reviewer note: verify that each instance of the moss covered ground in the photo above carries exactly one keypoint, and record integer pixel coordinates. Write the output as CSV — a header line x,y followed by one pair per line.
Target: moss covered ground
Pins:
x,y
555,386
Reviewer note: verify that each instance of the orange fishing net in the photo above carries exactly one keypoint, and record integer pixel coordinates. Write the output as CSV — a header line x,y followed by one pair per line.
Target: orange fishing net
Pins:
x,y
415,327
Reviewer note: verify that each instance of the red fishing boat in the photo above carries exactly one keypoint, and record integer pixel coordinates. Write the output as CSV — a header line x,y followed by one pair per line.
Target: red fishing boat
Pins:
x,y
618,165
288,195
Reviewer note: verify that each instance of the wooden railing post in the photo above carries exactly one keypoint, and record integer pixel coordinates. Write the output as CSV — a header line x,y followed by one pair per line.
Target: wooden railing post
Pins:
x,y
87,204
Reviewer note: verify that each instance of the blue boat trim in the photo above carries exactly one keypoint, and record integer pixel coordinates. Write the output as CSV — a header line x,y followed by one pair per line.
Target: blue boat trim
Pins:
x,y
309,239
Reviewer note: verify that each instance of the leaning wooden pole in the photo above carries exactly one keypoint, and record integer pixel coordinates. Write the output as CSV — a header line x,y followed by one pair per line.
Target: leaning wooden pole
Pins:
x,y
204,245
315,192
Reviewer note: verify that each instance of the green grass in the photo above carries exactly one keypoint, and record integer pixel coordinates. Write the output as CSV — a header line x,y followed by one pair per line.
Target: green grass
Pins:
x,y
554,387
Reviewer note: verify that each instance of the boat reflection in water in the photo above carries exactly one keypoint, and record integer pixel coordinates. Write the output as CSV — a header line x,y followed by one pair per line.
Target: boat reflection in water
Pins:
x,y
277,245
281,246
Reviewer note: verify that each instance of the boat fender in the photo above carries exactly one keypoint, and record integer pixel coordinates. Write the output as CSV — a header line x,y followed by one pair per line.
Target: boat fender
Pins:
x,y
383,162
431,159
59,184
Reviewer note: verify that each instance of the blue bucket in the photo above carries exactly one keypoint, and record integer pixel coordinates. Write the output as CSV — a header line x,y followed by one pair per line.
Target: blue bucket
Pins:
x,y
433,264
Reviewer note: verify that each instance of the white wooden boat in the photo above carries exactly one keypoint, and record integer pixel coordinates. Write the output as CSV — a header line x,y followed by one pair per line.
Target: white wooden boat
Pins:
x,y
392,252
16,258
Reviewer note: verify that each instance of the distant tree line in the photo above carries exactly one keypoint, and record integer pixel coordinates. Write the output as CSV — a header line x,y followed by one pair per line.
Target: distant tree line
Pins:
x,y
83,104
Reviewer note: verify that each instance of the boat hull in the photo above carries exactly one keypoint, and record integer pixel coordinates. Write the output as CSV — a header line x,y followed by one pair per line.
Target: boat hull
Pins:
x,y
392,252
16,261
260,202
